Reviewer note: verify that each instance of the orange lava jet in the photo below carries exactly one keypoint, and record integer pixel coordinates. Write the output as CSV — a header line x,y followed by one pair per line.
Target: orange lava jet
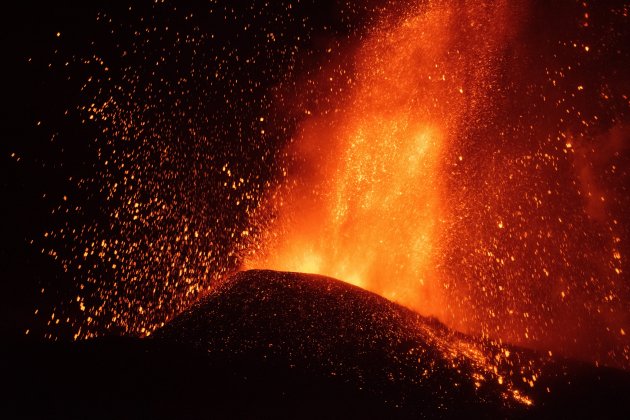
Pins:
x,y
429,176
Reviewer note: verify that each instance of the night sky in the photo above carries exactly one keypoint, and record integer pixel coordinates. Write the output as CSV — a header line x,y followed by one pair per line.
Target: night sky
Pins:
x,y
181,95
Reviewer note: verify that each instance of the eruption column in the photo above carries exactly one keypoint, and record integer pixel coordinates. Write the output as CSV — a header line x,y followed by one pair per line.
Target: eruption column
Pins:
x,y
451,175
367,206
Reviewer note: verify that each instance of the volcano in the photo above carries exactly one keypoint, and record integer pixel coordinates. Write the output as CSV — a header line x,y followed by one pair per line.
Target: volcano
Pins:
x,y
278,344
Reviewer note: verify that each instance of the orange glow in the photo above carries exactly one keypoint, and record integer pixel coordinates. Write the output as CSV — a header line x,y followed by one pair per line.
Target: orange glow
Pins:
x,y
354,241
429,173
366,205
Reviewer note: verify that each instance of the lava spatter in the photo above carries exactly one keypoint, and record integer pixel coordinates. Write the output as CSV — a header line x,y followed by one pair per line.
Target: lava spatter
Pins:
x,y
473,169
179,133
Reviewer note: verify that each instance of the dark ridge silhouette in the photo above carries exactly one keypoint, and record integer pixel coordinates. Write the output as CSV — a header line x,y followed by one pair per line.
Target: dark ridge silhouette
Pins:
x,y
268,344
330,329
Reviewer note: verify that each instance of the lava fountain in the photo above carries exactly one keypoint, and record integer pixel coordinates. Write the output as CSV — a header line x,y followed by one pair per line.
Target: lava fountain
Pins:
x,y
451,165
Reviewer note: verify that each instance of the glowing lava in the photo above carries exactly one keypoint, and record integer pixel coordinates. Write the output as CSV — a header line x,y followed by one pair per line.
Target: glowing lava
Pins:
x,y
442,182
368,204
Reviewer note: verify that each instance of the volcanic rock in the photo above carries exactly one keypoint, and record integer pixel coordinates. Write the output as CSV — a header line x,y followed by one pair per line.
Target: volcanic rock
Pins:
x,y
267,344
325,328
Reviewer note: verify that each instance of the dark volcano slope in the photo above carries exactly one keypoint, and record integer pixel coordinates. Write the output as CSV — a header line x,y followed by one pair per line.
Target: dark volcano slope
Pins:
x,y
325,329
267,344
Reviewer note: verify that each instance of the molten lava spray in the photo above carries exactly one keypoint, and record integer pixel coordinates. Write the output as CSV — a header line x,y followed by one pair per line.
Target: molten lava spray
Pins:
x,y
447,170
468,159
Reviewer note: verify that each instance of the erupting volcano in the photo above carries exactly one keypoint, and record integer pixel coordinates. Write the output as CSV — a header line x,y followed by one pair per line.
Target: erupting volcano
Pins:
x,y
415,208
